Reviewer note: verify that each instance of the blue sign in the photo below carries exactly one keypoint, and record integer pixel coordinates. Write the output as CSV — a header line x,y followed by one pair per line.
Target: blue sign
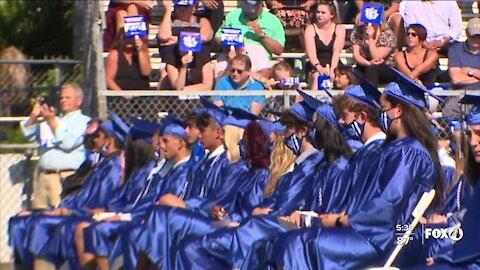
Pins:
x,y
190,42
185,2
232,37
290,82
324,82
135,26
371,14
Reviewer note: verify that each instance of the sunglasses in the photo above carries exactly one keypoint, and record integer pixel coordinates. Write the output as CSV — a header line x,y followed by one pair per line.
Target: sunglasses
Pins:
x,y
412,34
239,71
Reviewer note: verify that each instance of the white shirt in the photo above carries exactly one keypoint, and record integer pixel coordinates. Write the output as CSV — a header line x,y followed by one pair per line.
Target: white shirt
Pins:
x,y
440,18
378,136
445,158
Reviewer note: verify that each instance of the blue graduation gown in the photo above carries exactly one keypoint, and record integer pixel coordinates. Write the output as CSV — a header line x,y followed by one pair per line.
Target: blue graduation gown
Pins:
x,y
204,178
406,171
215,247
167,226
465,254
62,244
100,186
98,236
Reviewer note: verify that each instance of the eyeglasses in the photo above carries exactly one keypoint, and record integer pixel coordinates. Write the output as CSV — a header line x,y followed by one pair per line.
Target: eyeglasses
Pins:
x,y
239,71
412,34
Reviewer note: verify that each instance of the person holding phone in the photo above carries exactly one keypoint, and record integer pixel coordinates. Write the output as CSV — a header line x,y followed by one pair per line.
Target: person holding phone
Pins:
x,y
61,139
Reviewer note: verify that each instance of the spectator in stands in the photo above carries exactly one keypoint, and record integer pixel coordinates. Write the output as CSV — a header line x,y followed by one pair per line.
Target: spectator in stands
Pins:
x,y
184,71
391,16
294,15
262,31
464,59
117,10
61,143
260,64
240,79
417,61
344,77
280,71
324,39
183,15
442,19
213,11
372,46
128,64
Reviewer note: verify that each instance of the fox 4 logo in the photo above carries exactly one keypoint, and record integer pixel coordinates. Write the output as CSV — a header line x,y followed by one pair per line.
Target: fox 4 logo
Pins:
x,y
454,233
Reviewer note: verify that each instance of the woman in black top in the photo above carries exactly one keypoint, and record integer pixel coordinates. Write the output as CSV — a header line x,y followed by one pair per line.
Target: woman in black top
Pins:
x,y
417,62
127,66
324,39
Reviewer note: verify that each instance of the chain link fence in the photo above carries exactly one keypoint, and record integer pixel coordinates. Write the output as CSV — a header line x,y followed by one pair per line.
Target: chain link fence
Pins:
x,y
16,176
23,81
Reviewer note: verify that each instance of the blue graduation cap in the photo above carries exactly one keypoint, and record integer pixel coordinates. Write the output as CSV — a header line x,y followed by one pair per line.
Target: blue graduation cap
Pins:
x,y
365,93
408,90
302,111
214,111
323,109
239,118
473,117
277,127
172,119
175,130
116,126
143,129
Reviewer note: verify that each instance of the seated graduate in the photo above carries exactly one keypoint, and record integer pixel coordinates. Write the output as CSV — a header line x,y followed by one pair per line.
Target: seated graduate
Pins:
x,y
95,240
464,253
100,187
409,167
327,194
70,186
229,203
290,190
139,162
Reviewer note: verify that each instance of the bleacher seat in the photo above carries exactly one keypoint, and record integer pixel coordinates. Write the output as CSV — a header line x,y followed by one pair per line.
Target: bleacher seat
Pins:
x,y
346,56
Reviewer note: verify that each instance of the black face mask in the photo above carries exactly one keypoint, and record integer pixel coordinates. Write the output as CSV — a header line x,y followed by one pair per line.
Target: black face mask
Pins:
x,y
88,142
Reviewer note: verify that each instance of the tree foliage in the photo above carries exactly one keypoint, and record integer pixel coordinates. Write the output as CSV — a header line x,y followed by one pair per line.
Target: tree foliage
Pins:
x,y
37,27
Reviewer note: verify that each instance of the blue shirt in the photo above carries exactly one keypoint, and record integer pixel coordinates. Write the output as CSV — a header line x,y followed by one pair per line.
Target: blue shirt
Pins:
x,y
460,56
242,102
66,150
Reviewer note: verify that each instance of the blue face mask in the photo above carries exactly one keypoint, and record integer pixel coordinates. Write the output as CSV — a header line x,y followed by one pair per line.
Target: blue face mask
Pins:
x,y
356,130
157,154
293,143
243,151
385,121
348,132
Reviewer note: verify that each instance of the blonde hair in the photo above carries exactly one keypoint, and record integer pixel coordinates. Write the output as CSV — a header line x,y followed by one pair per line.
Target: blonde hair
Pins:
x,y
281,159
232,135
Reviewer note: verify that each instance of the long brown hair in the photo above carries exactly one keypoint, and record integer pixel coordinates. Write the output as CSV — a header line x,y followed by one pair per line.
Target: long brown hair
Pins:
x,y
416,125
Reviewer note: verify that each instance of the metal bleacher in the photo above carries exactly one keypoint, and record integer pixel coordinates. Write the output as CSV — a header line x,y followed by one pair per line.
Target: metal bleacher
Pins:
x,y
346,55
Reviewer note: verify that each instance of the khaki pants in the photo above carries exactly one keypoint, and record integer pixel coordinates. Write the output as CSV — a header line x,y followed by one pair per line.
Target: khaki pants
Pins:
x,y
47,188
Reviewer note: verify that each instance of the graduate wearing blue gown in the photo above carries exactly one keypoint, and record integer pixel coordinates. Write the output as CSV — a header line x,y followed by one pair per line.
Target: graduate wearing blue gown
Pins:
x,y
196,254
407,169
139,162
98,237
465,253
237,199
100,187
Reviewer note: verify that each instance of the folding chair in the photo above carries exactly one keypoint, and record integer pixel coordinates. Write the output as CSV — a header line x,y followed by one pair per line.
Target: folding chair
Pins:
x,y
418,212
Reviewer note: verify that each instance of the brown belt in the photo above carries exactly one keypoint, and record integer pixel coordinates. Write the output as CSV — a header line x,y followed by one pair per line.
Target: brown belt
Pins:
x,y
56,171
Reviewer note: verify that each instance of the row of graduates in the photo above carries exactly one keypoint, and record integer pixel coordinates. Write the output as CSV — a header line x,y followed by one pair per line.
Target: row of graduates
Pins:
x,y
188,211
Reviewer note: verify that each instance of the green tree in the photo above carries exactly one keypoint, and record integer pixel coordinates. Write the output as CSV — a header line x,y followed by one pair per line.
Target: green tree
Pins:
x,y
37,27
